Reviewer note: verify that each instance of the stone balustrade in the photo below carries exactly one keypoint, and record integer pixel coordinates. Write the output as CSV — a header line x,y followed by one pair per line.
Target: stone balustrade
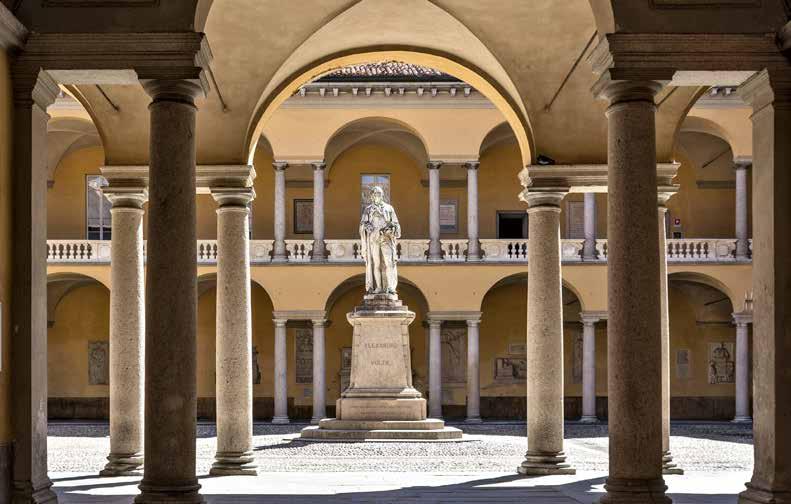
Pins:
x,y
707,250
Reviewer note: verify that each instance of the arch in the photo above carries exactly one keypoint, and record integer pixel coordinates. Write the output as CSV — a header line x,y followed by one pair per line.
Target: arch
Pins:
x,y
500,133
375,30
358,281
692,124
385,130
519,277
707,280
66,135
59,285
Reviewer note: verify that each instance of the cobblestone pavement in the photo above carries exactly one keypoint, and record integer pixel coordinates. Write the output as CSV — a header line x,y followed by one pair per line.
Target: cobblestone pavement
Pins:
x,y
717,459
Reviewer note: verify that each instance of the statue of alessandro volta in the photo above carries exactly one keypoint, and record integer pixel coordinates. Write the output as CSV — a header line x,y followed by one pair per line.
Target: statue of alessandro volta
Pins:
x,y
379,232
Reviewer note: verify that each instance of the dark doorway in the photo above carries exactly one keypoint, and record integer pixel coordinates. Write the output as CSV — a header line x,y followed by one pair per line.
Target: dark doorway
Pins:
x,y
512,225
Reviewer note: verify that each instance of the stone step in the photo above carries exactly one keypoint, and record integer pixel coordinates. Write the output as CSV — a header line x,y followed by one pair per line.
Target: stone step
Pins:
x,y
427,424
408,435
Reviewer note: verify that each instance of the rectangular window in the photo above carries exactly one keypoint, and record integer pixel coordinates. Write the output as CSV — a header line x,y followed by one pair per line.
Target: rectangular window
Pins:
x,y
367,182
97,208
512,225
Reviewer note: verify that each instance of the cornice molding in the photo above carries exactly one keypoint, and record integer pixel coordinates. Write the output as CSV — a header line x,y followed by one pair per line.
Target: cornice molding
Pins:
x,y
586,177
291,315
446,316
12,32
207,177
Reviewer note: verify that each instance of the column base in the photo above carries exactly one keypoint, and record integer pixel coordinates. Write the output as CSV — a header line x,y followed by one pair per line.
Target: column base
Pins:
x,y
545,464
279,259
234,464
742,419
473,420
123,464
280,420
668,467
635,491
589,419
755,495
24,491
435,259
316,420
157,494
474,258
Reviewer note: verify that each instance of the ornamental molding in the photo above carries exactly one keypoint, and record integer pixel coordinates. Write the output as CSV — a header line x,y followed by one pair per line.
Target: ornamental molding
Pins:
x,y
12,32
581,178
447,316
207,177
291,315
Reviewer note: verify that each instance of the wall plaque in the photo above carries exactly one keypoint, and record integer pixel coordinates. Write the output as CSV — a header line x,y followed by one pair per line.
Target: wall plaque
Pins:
x,y
304,356
256,368
510,369
98,362
303,216
454,355
682,364
721,365
448,216
576,355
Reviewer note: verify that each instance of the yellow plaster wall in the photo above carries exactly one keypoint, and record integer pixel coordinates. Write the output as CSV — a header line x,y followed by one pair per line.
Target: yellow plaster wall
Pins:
x,y
6,216
66,199
83,315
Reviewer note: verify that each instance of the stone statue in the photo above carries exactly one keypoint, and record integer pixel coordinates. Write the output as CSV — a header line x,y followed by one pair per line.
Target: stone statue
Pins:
x,y
379,232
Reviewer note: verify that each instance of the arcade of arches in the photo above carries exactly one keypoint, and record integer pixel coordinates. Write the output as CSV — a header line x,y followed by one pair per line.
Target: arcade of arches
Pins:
x,y
196,174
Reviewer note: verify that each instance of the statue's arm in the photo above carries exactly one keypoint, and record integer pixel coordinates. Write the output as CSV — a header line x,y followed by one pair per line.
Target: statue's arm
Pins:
x,y
396,224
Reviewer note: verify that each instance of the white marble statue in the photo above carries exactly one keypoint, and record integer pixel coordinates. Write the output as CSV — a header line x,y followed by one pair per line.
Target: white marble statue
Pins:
x,y
379,232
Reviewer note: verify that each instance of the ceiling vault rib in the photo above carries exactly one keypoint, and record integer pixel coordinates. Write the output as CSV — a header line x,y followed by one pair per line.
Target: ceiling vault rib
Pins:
x,y
548,106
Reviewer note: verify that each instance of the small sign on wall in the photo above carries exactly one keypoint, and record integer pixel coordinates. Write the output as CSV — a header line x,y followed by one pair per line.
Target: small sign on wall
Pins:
x,y
448,216
682,364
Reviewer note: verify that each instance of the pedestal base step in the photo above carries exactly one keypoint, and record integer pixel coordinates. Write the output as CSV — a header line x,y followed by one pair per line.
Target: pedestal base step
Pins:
x,y
331,429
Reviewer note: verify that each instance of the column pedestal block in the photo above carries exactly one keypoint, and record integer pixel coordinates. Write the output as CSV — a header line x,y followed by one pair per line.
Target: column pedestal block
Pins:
x,y
635,491
123,464
589,419
381,402
544,464
755,495
234,464
668,467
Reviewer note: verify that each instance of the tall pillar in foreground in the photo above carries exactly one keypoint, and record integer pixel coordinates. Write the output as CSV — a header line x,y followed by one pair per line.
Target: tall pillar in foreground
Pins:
x,y
634,324
279,248
434,246
589,366
319,252
742,243
234,335
171,298
770,97
127,331
281,377
668,467
743,321
589,246
435,369
473,245
319,373
473,371
544,339
29,289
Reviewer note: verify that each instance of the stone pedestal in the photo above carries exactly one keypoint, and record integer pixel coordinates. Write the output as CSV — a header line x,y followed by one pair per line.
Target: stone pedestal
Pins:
x,y
381,402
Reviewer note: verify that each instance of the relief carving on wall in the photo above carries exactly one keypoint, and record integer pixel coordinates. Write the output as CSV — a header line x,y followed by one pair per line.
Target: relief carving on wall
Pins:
x,y
454,355
304,356
98,362
510,369
576,368
721,364
256,367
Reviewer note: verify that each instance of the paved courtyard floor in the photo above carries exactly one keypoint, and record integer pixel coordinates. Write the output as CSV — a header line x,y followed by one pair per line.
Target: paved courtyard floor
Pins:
x,y
717,458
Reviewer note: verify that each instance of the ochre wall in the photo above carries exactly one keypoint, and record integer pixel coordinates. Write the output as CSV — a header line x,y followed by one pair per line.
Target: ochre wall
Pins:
x,y
83,315
6,215
66,199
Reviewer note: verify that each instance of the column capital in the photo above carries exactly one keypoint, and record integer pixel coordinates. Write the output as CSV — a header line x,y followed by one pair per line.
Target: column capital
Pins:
x,y
767,87
621,91
472,165
228,197
434,165
37,88
126,197
591,317
662,198
280,322
318,165
742,163
321,322
280,165
742,318
177,90
539,201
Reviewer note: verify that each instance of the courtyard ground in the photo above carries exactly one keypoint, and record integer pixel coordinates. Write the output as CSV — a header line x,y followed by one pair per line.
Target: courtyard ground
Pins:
x,y
717,458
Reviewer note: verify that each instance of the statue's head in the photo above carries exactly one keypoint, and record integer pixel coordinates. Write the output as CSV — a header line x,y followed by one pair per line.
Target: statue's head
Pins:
x,y
377,194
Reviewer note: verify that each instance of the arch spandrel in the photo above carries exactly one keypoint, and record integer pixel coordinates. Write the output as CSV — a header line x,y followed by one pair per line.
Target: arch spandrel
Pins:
x,y
734,281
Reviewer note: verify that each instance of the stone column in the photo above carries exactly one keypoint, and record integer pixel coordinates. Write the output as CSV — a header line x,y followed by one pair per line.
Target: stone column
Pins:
x,y
435,369
589,366
770,97
319,254
434,247
742,243
633,326
589,247
743,321
319,373
234,335
668,467
28,193
171,297
281,373
544,339
473,372
279,250
473,245
127,332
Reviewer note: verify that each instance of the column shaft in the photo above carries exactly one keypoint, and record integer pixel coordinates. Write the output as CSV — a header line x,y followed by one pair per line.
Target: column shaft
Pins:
x,y
473,372
589,247
281,376
634,324
171,298
127,334
319,374
544,339
742,367
234,336
588,370
435,369
473,244
319,253
742,244
29,290
435,247
279,249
